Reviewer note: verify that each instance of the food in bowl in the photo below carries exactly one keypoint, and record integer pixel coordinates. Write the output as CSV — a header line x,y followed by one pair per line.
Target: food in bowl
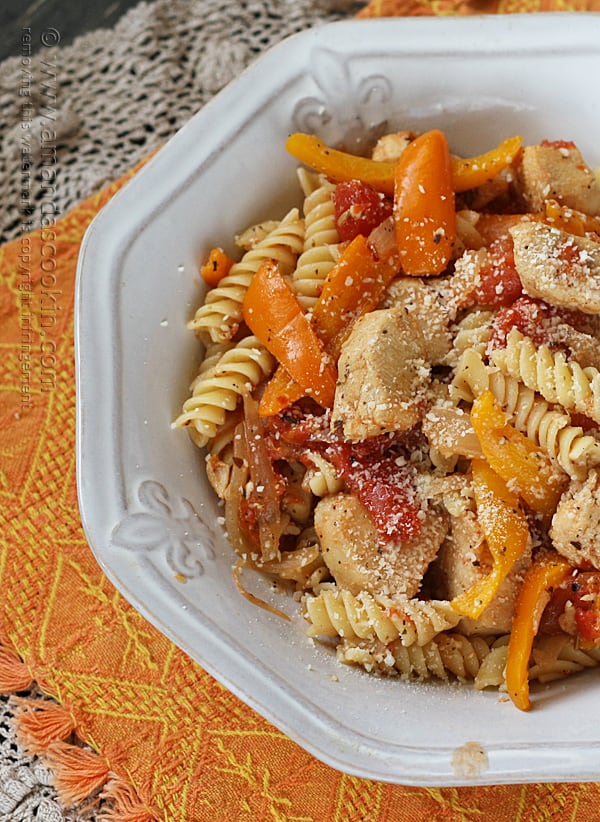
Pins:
x,y
400,405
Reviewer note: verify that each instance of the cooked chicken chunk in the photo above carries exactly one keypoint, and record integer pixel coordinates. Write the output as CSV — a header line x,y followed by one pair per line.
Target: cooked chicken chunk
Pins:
x,y
382,375
557,267
360,562
464,559
575,530
455,291
425,306
560,173
584,348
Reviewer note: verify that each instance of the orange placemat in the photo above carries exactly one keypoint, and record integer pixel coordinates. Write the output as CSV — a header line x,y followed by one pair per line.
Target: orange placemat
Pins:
x,y
162,738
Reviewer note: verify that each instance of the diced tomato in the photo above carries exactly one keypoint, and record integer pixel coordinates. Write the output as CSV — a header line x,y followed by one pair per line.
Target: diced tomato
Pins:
x,y
377,470
534,318
385,484
526,314
583,591
359,209
586,600
558,144
499,283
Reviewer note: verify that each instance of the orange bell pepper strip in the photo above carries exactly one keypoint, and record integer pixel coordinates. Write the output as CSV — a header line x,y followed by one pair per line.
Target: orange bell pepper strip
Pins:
x,y
274,315
547,572
353,286
467,172
520,463
424,214
216,267
506,532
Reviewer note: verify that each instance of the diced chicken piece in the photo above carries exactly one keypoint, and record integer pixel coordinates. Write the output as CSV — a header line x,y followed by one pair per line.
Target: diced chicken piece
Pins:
x,y
463,560
559,173
575,530
390,146
455,291
357,559
557,267
423,303
584,348
382,375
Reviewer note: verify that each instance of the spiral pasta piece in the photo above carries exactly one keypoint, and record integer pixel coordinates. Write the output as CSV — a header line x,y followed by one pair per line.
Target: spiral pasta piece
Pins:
x,y
557,657
320,244
470,378
558,380
217,390
335,612
547,426
448,653
218,318
321,478
473,332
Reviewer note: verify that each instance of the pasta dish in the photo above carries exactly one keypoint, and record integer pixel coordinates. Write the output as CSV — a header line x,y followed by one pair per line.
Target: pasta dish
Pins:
x,y
399,403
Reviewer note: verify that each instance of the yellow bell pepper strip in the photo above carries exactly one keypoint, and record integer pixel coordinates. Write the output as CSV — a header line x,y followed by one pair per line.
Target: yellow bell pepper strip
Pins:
x,y
516,458
339,165
274,315
471,172
352,287
506,532
467,172
570,220
547,572
216,267
424,214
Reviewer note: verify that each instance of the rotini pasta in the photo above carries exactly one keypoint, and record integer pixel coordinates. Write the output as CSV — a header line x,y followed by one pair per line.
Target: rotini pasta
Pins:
x,y
320,244
546,426
218,318
337,612
375,445
447,653
218,389
321,477
472,332
549,373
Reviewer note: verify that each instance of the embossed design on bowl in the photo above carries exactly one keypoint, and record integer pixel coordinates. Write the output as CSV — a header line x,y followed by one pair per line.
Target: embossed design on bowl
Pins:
x,y
168,524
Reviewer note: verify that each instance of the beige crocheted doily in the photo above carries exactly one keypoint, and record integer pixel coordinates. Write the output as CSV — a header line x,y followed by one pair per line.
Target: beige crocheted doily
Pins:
x,y
75,118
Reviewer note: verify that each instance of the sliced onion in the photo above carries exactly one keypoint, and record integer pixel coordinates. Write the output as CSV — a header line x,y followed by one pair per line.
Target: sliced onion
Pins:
x,y
450,432
383,240
240,475
262,474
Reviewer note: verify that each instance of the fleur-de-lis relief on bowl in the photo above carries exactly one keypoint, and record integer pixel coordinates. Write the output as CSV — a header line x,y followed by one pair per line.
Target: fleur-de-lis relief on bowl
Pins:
x,y
168,524
347,110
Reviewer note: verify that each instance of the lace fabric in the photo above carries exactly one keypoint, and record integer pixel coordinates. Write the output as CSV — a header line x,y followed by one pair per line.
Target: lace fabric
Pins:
x,y
75,118
26,791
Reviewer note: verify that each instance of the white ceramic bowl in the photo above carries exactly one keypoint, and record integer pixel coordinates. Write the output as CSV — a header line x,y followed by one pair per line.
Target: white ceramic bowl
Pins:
x,y
147,509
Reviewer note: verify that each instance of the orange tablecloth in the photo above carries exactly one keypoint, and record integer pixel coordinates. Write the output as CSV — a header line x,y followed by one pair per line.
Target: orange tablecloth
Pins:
x,y
167,741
